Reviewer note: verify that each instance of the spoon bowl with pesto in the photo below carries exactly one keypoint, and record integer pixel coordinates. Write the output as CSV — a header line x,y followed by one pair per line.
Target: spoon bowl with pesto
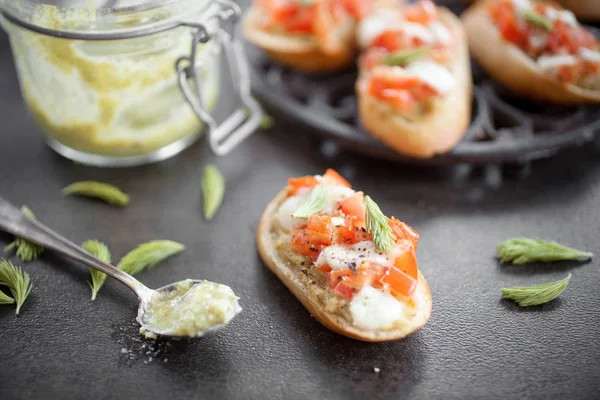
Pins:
x,y
189,308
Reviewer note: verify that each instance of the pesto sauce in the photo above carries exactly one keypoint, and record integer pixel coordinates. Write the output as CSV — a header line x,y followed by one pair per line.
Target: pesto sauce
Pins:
x,y
189,309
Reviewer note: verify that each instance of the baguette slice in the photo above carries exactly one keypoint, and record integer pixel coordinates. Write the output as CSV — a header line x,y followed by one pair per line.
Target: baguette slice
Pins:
x,y
295,51
513,68
442,126
289,275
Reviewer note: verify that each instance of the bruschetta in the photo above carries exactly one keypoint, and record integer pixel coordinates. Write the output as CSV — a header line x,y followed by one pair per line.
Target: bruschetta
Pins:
x,y
308,35
537,49
317,237
414,89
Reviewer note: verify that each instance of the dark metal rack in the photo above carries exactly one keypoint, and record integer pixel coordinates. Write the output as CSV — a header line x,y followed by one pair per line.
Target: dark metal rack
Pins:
x,y
505,129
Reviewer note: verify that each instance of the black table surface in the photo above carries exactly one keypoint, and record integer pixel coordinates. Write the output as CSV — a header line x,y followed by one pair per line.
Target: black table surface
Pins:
x,y
63,346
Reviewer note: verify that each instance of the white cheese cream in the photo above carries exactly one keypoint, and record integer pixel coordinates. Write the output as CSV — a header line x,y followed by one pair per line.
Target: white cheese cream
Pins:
x,y
521,6
590,55
286,209
433,74
548,63
373,26
565,16
343,256
375,309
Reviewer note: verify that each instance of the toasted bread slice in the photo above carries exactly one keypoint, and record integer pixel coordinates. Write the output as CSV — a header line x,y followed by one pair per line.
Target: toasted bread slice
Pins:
x,y
445,122
289,273
299,52
513,68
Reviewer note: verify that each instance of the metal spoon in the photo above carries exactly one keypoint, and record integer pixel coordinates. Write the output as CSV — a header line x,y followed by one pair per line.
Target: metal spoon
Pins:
x,y
13,221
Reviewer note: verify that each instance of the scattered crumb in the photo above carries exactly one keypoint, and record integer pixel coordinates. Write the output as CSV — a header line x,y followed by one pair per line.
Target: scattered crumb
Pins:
x,y
377,370
124,351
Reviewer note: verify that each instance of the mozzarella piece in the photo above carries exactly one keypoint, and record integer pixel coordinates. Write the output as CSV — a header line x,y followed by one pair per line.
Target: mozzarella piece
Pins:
x,y
435,75
590,55
335,194
521,5
440,32
374,309
341,257
538,40
546,63
417,31
371,27
338,221
565,16
285,211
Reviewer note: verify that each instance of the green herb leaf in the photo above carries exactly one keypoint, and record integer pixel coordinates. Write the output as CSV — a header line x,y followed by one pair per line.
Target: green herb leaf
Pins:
x,y
213,189
25,249
306,3
377,226
102,191
149,254
17,281
100,251
266,122
6,299
526,296
313,203
403,57
536,19
524,250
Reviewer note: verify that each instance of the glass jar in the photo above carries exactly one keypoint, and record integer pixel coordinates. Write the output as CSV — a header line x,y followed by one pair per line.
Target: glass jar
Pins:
x,y
116,83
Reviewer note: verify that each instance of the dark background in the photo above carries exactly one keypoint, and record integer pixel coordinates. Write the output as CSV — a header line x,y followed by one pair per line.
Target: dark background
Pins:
x,y
475,346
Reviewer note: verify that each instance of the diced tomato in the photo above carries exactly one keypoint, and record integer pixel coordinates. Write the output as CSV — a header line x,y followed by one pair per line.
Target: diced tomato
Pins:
x,y
390,40
354,205
303,182
503,13
422,12
566,38
406,261
402,91
352,232
324,268
349,281
566,73
403,231
333,178
309,243
289,15
372,58
344,235
399,282
302,21
401,100
359,9
320,224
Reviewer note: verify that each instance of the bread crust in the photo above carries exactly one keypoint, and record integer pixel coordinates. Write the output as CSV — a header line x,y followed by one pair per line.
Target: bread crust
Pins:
x,y
584,9
298,52
442,126
283,270
512,67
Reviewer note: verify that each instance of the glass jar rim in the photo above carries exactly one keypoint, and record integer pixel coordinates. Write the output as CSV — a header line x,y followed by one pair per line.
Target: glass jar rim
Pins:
x,y
114,19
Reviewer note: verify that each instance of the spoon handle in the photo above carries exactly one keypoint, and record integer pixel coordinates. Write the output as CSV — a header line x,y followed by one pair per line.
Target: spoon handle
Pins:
x,y
13,221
